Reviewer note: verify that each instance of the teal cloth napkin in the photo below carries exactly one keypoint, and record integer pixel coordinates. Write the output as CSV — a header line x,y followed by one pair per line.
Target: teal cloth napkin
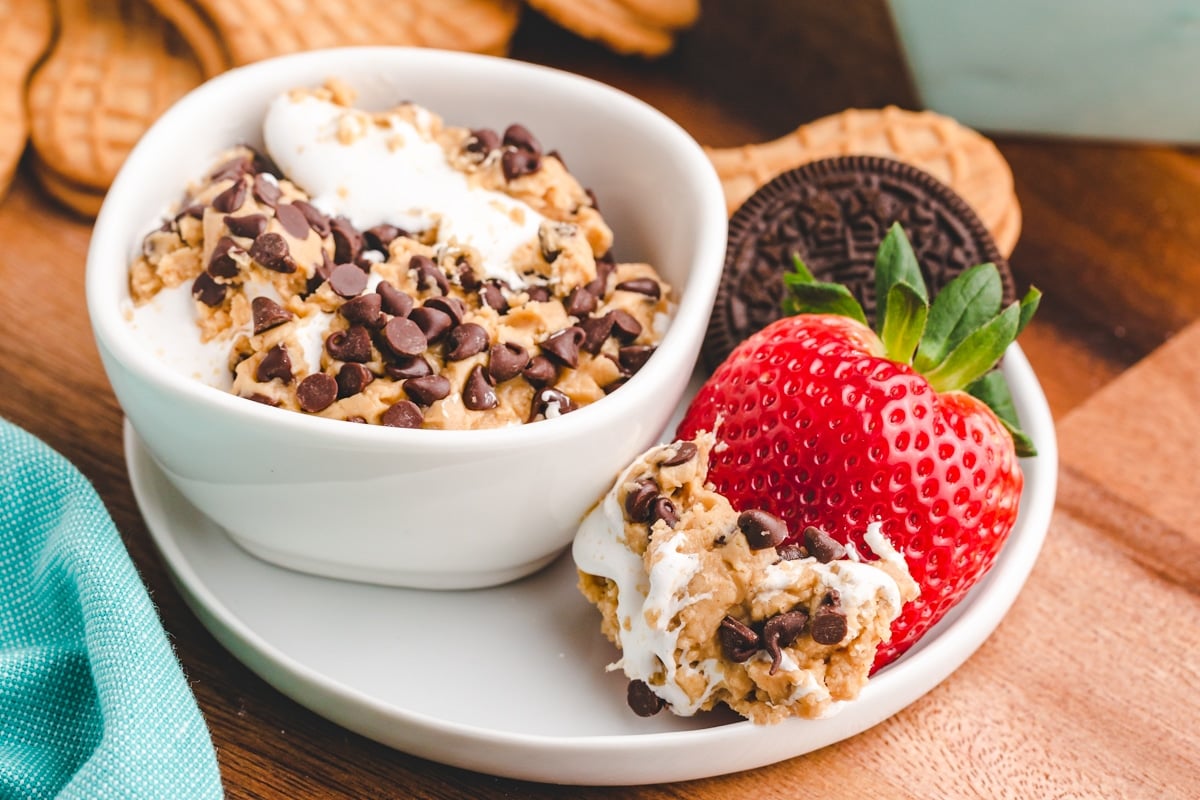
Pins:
x,y
93,703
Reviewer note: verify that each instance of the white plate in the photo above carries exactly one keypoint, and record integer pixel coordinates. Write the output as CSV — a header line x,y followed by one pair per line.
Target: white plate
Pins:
x,y
511,681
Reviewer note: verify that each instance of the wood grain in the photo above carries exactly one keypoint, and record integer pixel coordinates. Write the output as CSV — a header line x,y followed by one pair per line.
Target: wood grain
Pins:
x,y
1088,687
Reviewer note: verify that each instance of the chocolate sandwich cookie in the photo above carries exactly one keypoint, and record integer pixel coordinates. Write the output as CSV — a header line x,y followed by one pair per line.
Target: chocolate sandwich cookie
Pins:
x,y
833,214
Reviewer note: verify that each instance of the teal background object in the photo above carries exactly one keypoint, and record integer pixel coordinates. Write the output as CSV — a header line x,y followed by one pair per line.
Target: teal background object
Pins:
x,y
1117,69
93,703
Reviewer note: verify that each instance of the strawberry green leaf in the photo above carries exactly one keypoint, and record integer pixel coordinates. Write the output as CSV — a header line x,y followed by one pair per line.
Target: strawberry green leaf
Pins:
x,y
977,353
1029,305
895,263
963,305
904,322
992,389
804,295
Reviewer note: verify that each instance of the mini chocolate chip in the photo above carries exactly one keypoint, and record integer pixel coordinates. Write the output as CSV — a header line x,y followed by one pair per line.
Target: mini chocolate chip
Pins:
x,y
316,392
403,337
261,162
639,499
596,331
271,250
395,302
352,344
515,163
662,508
220,263
408,367
262,399
642,699
482,141
563,346
347,280
378,237
624,326
433,323
207,290
780,631
518,136
320,274
267,314
465,341
790,552
684,452
540,371
829,625
599,285
249,226
234,168
318,221
580,302
275,364
266,191
762,529
506,360
450,306
232,198
404,414
347,241
366,309
550,403
633,357
427,389
739,642
352,379
822,546
467,278
538,294
646,286
293,220
493,296
429,276
478,394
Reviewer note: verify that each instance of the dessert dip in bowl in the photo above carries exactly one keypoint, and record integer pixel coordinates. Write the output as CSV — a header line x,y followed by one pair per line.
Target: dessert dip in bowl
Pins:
x,y
363,314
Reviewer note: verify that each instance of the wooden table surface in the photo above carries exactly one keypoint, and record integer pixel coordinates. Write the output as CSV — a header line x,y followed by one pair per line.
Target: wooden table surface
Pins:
x,y
1088,688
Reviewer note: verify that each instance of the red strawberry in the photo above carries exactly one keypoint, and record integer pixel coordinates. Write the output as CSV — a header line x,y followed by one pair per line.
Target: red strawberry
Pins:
x,y
824,422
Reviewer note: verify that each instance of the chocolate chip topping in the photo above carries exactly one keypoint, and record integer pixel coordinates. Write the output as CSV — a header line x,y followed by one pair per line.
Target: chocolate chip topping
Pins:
x,y
478,394
646,286
207,290
429,276
427,389
482,141
267,314
761,529
271,250
780,631
624,325
275,364
465,341
379,237
450,306
822,546
540,371
352,379
433,323
642,699
366,309
506,360
406,367
347,241
547,399
829,621
250,226
316,392
395,302
518,136
403,337
231,199
493,296
352,344
580,302
221,264
604,268
466,276
293,220
234,168
515,163
684,452
538,294
834,213
739,642
632,358
266,191
663,509
563,346
347,280
403,414
262,399
596,331
639,500
791,552
318,221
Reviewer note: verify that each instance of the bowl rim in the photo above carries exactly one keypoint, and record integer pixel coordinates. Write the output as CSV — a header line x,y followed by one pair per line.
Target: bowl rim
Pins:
x,y
109,251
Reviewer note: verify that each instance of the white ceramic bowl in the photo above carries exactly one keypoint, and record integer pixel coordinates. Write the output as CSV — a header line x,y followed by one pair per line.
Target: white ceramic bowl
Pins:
x,y
420,508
